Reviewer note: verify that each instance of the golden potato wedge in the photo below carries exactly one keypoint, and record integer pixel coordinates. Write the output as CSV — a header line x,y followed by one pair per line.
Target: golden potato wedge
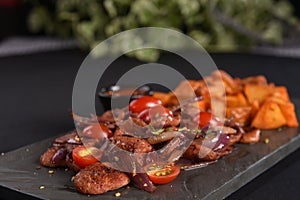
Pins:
x,y
195,83
164,97
238,100
269,116
203,105
281,92
203,91
254,108
288,111
240,115
255,80
173,101
231,86
276,99
218,108
257,92
186,89
168,99
250,100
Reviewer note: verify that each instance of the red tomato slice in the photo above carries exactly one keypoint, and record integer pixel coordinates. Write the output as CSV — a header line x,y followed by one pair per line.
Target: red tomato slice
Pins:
x,y
97,131
85,156
162,174
206,118
154,112
140,104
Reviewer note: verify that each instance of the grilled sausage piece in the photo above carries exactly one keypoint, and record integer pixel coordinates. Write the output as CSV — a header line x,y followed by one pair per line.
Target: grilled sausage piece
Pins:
x,y
234,138
225,151
98,179
198,152
132,144
71,164
70,136
46,158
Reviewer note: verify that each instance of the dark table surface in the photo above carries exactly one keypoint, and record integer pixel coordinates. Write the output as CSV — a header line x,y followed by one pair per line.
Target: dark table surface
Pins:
x,y
36,97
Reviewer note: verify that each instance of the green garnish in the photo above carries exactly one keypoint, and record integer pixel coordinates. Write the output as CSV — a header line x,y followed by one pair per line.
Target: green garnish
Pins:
x,y
157,115
169,128
209,131
155,132
158,131
151,127
183,129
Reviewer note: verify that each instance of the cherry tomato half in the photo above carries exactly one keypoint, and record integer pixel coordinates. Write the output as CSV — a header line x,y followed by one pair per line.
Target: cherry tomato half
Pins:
x,y
206,118
140,104
154,112
85,156
97,131
162,174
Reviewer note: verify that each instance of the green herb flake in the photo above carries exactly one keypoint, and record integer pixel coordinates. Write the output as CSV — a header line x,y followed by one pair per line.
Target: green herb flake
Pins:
x,y
208,132
155,132
183,129
158,131
151,127
157,115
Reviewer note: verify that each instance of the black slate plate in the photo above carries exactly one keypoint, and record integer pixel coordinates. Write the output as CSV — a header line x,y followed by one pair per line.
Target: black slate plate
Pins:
x,y
216,181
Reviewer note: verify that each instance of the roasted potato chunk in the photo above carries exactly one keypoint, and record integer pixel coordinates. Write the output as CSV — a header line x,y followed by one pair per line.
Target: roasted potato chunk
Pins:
x,y
269,116
232,87
281,92
288,111
254,108
240,115
249,101
164,97
257,92
255,80
237,100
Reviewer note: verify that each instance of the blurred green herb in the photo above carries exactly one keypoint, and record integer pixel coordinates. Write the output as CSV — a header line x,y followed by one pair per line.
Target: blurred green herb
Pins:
x,y
158,132
155,132
218,25
183,129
